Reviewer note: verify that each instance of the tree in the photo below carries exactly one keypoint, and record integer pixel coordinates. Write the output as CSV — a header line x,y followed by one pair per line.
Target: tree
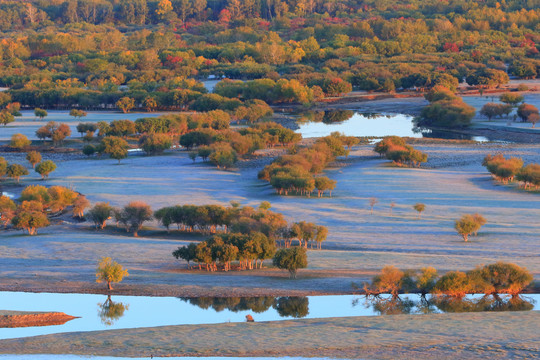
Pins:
x,y
30,216
453,283
116,147
491,110
500,278
291,259
19,141
6,117
525,110
88,150
33,158
389,280
512,99
419,207
372,202
110,271
446,113
469,224
7,210
533,118
155,143
40,113
15,171
79,205
150,104
100,213
322,184
125,104
134,214
77,113
45,168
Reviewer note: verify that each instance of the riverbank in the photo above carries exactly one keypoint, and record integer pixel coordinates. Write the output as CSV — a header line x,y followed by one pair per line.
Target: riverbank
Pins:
x,y
434,336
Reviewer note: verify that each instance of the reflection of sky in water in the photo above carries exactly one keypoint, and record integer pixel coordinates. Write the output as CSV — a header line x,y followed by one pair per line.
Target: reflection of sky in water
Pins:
x,y
360,125
375,126
147,311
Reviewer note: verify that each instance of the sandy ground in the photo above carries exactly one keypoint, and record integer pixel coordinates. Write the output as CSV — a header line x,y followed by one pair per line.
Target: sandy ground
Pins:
x,y
63,257
435,336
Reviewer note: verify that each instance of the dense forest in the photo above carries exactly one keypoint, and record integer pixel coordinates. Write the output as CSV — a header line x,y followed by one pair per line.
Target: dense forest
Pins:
x,y
91,53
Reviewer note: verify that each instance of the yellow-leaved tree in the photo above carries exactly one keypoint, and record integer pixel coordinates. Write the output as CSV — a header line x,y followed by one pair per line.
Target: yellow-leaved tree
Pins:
x,y
110,271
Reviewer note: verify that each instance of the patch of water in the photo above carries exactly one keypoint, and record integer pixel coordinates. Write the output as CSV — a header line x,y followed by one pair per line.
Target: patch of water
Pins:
x,y
350,123
99,312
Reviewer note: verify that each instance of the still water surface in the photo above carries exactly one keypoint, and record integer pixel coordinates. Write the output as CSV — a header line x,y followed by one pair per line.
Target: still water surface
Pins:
x,y
98,312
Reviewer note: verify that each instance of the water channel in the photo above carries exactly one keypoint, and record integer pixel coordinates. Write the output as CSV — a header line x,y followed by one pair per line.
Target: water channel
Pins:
x,y
99,312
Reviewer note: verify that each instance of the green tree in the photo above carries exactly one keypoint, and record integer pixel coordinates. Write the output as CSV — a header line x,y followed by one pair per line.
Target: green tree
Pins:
x,y
291,259
19,141
40,113
134,214
77,113
15,171
110,271
419,207
155,143
45,168
453,283
6,117
100,213
115,147
512,98
469,224
33,158
500,278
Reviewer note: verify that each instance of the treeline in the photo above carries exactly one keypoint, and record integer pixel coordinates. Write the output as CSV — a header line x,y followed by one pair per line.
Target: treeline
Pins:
x,y
394,148
498,278
298,172
508,170
93,53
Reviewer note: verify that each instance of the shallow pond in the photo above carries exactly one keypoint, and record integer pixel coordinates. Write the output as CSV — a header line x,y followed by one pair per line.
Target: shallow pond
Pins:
x,y
99,312
351,123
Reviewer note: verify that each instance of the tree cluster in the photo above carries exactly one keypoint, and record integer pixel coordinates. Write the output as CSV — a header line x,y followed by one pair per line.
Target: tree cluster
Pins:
x,y
493,279
298,172
394,148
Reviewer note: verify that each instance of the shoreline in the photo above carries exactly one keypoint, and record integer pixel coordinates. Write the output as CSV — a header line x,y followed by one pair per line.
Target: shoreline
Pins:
x,y
434,336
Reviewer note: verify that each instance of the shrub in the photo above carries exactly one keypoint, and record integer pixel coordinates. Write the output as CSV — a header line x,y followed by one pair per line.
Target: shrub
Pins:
x,y
19,141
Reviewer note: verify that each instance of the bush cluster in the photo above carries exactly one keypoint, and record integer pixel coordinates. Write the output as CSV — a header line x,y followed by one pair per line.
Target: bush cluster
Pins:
x,y
394,148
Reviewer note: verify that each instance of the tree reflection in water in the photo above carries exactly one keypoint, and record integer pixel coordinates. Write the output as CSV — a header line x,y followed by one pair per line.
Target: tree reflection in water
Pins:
x,y
292,306
109,312
396,305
